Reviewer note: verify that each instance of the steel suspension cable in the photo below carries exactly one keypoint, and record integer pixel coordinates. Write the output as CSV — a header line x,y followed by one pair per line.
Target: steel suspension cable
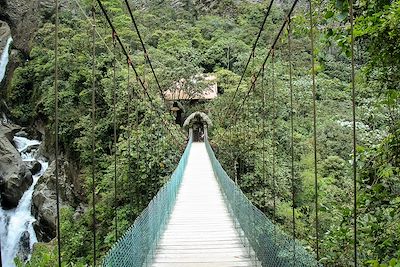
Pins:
x,y
353,100
56,151
144,71
90,21
273,141
252,51
135,70
147,58
94,132
254,81
292,138
115,137
314,93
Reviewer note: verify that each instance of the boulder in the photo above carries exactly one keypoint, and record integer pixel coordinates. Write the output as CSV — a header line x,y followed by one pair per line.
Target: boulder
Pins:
x,y
15,177
34,167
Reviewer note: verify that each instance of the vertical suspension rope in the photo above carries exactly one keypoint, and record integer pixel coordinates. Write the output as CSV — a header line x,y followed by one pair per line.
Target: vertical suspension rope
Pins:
x,y
56,151
129,138
292,138
314,128
263,127
94,133
115,135
353,85
129,132
137,129
273,142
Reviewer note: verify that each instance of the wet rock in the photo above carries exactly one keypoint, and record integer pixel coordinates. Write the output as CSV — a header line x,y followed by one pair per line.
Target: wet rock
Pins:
x,y
15,175
30,133
22,134
35,167
24,248
32,149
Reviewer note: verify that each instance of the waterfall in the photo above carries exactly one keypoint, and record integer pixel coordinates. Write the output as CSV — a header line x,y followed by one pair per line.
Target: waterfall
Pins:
x,y
16,225
4,59
3,67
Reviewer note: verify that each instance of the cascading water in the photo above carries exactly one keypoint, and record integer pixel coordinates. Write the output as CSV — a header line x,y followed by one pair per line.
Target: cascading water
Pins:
x,y
16,225
3,67
4,59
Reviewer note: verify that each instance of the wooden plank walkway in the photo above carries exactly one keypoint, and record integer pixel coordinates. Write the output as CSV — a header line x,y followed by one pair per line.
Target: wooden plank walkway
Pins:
x,y
201,231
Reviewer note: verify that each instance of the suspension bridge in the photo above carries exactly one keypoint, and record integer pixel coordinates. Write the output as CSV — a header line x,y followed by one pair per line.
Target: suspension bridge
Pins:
x,y
200,217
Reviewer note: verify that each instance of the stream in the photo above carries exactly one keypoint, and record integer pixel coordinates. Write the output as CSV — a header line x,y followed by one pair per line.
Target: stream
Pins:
x,y
16,225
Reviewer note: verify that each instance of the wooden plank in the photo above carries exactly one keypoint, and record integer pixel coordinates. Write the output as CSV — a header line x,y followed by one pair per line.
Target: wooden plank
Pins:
x,y
201,264
201,231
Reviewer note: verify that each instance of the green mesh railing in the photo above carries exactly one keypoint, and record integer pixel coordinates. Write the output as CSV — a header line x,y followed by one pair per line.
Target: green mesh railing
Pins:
x,y
272,247
137,246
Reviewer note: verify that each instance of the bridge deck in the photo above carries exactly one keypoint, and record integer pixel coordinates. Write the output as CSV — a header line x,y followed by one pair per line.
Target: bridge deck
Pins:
x,y
201,231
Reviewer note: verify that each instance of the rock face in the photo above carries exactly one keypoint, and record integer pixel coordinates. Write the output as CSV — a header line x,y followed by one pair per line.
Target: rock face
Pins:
x,y
22,16
24,249
44,199
44,205
21,19
25,17
15,177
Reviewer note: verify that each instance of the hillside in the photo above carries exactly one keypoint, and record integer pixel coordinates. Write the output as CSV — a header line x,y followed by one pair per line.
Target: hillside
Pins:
x,y
253,142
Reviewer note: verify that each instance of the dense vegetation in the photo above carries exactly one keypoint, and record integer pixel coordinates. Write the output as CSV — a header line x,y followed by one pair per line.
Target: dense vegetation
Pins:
x,y
185,38
246,141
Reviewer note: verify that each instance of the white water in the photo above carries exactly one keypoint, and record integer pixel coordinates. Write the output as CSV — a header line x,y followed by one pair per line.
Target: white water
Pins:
x,y
3,67
14,223
4,59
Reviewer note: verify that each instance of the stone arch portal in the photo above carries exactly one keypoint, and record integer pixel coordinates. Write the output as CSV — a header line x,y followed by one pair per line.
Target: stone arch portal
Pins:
x,y
197,125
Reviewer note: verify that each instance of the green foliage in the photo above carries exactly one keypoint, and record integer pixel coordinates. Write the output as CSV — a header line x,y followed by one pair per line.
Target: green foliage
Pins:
x,y
244,144
186,38
153,151
45,255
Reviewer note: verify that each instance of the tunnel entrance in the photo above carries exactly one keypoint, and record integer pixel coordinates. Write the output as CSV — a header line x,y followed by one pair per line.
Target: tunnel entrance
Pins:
x,y
197,125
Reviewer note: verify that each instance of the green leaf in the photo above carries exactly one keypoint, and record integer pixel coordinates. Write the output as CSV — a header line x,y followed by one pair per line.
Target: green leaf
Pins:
x,y
329,14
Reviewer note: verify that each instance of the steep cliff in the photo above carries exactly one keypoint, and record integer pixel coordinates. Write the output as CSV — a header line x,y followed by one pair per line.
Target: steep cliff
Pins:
x,y
20,19
24,18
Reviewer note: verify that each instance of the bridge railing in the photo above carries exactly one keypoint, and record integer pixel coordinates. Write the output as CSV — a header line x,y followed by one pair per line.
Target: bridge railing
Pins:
x,y
137,246
272,247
